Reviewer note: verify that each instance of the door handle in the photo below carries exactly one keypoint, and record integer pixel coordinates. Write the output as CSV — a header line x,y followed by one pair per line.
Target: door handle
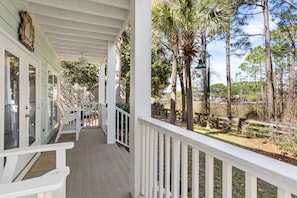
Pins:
x,y
28,115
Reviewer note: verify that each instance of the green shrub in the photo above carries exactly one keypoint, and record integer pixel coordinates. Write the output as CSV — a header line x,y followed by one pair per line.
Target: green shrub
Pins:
x,y
124,106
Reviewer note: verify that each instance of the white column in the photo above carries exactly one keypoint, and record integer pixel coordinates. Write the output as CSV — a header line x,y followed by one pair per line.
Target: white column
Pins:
x,y
140,90
101,93
111,65
2,93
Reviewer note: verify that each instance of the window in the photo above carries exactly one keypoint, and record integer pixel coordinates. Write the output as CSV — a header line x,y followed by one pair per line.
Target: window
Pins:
x,y
52,97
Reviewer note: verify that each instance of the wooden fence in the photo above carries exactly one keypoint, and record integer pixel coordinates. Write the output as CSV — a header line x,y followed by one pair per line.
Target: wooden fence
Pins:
x,y
239,126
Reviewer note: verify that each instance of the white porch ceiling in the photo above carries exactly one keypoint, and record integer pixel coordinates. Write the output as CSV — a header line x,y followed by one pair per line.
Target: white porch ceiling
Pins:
x,y
73,27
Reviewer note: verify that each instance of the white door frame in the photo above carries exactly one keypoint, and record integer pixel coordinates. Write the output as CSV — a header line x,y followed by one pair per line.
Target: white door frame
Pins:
x,y
26,57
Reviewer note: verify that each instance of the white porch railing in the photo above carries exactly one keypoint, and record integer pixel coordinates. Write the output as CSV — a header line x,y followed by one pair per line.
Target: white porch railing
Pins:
x,y
122,127
50,185
172,167
103,117
90,114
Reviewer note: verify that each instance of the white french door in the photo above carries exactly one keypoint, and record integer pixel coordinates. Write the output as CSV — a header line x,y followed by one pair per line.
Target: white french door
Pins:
x,y
20,96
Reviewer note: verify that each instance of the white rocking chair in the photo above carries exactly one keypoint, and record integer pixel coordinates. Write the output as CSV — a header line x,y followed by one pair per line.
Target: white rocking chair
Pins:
x,y
70,121
49,185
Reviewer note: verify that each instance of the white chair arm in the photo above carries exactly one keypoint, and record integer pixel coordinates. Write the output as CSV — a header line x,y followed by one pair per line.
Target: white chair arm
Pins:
x,y
49,182
37,149
12,156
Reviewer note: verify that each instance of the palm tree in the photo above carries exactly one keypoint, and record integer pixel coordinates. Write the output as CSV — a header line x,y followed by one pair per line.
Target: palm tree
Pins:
x,y
186,18
163,21
213,18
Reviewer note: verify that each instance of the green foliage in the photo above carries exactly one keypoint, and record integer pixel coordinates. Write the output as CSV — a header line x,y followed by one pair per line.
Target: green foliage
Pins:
x,y
160,65
287,142
157,105
251,114
161,68
124,106
219,90
83,76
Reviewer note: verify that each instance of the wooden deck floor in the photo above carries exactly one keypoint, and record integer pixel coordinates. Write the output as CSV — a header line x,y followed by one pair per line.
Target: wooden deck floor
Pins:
x,y
97,170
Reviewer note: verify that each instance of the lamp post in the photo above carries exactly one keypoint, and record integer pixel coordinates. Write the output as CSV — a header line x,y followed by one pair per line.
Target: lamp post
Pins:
x,y
201,65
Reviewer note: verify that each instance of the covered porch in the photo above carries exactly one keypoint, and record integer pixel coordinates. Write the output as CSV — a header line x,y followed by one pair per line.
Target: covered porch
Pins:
x,y
97,169
164,161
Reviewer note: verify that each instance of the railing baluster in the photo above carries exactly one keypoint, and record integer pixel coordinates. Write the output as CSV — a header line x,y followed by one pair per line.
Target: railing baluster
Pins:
x,y
209,174
161,165
155,159
122,126
195,173
118,125
283,193
184,166
167,166
250,186
175,167
151,161
126,129
143,172
147,159
227,180
161,150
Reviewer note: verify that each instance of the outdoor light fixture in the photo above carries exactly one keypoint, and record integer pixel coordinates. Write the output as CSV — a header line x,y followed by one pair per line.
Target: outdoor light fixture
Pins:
x,y
200,65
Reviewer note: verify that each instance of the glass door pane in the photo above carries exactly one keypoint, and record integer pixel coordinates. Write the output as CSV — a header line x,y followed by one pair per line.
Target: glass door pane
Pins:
x,y
11,101
32,106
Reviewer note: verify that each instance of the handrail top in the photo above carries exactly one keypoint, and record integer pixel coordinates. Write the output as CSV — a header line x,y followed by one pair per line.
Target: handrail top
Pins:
x,y
249,161
122,111
44,183
37,149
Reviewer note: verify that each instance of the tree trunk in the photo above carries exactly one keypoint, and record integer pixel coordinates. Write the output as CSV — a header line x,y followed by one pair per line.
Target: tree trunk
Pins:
x,y
228,75
173,86
268,65
292,81
204,74
183,94
190,120
281,92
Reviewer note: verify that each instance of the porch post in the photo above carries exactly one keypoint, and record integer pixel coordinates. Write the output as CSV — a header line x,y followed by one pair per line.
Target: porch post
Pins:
x,y
2,109
111,65
101,91
140,90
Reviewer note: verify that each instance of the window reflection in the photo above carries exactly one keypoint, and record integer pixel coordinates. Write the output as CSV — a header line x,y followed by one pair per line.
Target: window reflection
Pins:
x,y
11,101
32,107
52,97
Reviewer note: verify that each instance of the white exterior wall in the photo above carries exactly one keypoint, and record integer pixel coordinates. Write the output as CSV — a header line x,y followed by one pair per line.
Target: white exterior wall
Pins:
x,y
140,100
9,22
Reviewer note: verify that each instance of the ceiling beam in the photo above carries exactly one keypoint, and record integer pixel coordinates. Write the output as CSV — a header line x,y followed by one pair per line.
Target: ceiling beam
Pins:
x,y
76,17
95,29
80,51
76,43
117,3
106,9
79,33
78,38
75,25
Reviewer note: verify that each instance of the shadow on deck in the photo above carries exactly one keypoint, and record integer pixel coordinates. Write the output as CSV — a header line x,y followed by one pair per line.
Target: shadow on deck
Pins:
x,y
97,170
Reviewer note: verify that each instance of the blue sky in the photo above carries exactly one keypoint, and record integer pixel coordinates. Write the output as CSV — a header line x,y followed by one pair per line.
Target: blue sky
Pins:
x,y
217,51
